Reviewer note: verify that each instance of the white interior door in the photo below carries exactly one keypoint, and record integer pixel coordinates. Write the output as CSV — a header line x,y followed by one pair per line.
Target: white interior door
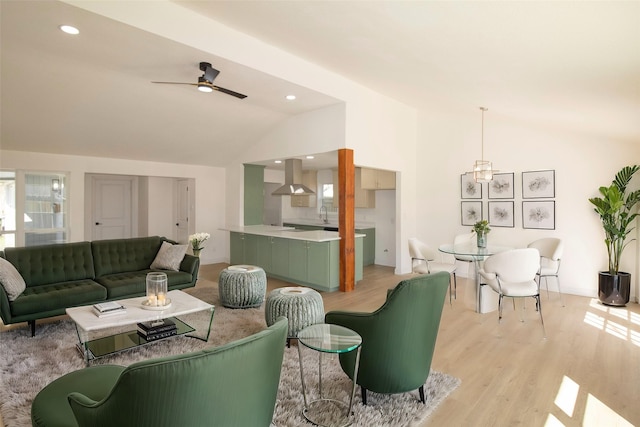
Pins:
x,y
112,207
182,216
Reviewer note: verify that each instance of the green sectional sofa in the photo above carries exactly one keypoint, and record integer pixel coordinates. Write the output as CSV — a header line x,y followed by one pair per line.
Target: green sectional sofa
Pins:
x,y
74,274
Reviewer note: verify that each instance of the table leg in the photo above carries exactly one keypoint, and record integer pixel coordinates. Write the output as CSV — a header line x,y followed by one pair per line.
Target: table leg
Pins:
x,y
83,343
355,379
304,388
320,373
476,264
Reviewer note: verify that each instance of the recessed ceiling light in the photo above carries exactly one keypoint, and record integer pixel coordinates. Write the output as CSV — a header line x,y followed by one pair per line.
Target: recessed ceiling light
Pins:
x,y
290,97
278,162
69,29
309,157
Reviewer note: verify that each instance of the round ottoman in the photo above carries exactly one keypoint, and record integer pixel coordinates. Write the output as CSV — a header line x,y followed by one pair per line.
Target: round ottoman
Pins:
x,y
242,286
302,307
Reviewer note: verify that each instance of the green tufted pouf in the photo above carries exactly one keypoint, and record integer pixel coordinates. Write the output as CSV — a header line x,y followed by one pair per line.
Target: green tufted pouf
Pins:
x,y
242,286
302,307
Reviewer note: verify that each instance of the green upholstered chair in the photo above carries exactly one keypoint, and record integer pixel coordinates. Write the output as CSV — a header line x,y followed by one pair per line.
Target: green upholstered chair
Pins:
x,y
399,338
232,385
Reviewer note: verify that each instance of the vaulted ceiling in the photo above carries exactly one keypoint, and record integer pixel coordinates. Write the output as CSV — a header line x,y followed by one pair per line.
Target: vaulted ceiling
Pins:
x,y
573,66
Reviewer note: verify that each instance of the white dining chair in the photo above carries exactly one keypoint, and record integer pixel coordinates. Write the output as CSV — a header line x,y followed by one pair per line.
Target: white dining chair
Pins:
x,y
550,249
425,260
513,274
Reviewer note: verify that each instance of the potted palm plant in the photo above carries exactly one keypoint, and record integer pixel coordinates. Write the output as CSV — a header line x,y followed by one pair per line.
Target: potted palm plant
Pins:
x,y
481,228
617,210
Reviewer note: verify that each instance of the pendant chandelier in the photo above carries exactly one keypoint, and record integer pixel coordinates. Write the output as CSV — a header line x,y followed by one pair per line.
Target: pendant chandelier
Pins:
x,y
482,170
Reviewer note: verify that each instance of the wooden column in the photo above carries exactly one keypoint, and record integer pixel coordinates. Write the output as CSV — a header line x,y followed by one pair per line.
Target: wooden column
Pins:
x,y
346,219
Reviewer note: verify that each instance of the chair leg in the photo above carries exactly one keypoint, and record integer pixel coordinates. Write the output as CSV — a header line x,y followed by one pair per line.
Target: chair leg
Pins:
x,y
499,308
537,297
364,395
546,285
421,391
455,286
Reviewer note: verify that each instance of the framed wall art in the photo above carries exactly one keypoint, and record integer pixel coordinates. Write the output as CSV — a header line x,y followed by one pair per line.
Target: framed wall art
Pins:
x,y
501,214
471,212
539,184
469,189
501,187
539,214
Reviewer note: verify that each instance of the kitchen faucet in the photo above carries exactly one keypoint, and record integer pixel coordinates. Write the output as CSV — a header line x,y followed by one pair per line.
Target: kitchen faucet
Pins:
x,y
325,217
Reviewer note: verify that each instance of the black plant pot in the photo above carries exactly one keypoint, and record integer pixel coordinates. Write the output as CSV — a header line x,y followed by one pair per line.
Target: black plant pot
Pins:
x,y
614,289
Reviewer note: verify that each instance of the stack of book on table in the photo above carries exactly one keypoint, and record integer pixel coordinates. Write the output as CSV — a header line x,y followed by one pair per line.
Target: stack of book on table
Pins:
x,y
157,329
109,308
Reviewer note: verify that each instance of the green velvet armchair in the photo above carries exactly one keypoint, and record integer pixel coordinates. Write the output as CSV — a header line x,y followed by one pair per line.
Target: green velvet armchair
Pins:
x,y
232,385
399,338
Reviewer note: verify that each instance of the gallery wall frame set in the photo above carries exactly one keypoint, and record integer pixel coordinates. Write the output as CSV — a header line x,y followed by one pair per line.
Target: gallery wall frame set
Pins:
x,y
539,184
470,212
469,189
501,214
539,214
501,187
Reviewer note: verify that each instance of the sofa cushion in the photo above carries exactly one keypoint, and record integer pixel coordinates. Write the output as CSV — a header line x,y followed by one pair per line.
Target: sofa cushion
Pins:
x,y
123,255
57,296
133,283
169,257
42,265
11,280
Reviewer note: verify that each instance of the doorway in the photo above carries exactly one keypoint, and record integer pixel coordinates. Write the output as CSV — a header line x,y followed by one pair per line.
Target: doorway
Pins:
x,y
113,207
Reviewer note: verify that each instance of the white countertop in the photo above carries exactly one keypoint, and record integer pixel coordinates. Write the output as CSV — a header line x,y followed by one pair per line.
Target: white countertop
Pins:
x,y
318,222
287,232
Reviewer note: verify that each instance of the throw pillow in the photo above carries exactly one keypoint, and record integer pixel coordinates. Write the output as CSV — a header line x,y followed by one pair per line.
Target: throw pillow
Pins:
x,y
11,280
169,257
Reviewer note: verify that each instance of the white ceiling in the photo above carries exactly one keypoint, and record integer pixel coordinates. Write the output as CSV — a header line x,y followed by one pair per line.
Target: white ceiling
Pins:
x,y
572,65
568,65
92,94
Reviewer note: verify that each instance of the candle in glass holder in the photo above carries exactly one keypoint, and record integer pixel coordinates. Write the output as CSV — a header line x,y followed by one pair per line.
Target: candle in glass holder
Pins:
x,y
153,300
162,301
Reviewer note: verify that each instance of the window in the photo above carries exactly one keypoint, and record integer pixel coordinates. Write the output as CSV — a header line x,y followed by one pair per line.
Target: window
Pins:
x,y
327,198
7,209
43,213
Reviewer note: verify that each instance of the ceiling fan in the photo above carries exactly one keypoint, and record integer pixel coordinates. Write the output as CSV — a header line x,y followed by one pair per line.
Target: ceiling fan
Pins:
x,y
205,82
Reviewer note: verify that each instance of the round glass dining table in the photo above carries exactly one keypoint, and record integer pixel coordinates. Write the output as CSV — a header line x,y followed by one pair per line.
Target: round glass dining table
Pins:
x,y
478,254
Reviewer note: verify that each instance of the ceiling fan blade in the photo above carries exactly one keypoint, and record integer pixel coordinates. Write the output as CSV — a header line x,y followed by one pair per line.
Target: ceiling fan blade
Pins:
x,y
228,92
177,83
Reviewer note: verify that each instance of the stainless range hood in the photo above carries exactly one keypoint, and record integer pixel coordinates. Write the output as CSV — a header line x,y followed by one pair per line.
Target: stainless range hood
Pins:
x,y
293,180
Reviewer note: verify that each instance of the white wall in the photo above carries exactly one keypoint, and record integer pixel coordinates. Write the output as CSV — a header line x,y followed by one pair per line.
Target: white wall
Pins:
x,y
210,192
448,145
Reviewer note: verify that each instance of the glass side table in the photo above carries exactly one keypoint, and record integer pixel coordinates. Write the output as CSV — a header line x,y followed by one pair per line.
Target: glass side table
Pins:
x,y
327,338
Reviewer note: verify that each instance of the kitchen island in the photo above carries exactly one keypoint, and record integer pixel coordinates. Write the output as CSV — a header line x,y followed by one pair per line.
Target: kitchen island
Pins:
x,y
305,257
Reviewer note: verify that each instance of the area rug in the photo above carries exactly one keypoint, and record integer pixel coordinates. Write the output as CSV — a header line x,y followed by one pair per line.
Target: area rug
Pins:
x,y
28,364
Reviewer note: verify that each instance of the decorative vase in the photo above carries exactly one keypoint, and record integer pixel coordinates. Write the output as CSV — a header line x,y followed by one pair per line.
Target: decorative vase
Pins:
x,y
196,252
482,240
614,289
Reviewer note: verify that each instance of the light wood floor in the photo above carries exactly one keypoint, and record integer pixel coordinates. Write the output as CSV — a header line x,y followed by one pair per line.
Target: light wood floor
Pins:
x,y
586,373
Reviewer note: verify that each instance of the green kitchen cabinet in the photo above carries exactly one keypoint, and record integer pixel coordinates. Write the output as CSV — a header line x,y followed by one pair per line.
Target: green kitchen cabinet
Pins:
x,y
253,194
280,256
368,245
264,256
236,248
322,268
298,260
243,248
